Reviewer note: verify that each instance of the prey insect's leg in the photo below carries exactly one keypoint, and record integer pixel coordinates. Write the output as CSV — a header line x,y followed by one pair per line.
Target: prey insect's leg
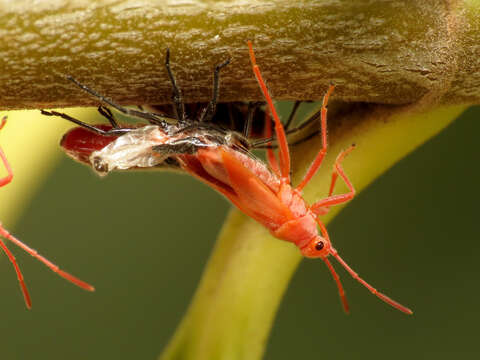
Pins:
x,y
279,131
150,117
212,105
178,104
112,132
321,154
319,207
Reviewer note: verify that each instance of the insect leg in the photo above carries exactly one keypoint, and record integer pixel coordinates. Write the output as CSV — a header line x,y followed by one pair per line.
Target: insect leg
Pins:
x,y
319,207
119,131
262,143
7,179
252,107
177,98
272,160
188,145
106,113
292,115
321,154
279,131
150,117
212,105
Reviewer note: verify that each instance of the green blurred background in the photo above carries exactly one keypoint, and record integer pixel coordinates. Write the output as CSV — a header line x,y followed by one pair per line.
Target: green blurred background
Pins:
x,y
143,238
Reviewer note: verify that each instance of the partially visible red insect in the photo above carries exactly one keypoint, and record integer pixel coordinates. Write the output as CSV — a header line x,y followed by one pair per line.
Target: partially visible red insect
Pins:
x,y
268,197
6,235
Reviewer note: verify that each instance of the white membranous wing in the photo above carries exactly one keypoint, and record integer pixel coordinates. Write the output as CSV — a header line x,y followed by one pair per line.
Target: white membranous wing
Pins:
x,y
134,149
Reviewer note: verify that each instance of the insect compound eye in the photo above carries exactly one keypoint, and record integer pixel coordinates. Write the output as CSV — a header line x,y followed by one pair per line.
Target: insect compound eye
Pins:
x,y
319,245
99,165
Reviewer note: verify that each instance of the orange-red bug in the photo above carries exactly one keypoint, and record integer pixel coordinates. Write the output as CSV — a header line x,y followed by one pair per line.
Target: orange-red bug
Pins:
x,y
267,196
6,235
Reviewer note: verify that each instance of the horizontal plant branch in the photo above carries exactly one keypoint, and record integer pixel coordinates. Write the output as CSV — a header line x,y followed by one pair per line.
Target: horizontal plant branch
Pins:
x,y
391,52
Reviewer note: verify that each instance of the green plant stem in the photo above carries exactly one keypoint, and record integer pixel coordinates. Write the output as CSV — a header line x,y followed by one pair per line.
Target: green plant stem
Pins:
x,y
233,309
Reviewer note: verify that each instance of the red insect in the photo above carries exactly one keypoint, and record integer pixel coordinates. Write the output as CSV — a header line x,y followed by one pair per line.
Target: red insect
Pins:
x,y
6,235
268,197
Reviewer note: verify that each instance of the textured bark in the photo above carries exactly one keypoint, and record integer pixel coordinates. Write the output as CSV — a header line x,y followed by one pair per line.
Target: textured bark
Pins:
x,y
392,52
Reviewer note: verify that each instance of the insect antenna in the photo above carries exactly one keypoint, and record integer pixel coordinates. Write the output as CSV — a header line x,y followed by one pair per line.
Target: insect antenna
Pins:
x,y
341,292
374,291
342,262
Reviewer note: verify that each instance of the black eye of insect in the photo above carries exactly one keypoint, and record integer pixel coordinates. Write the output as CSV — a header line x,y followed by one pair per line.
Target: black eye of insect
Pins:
x,y
319,245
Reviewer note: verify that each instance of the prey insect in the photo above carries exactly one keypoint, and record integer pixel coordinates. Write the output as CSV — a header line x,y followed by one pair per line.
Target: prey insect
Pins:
x,y
266,195
294,220
262,192
6,235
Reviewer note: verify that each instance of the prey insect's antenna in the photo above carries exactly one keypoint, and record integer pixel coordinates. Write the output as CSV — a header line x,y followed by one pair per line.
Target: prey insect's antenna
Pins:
x,y
341,292
342,262
374,291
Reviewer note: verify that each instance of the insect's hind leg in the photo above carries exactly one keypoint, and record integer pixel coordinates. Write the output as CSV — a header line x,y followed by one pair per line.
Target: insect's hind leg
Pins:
x,y
321,154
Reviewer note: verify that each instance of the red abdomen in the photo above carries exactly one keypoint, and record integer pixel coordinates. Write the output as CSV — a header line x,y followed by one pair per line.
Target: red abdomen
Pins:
x,y
79,143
